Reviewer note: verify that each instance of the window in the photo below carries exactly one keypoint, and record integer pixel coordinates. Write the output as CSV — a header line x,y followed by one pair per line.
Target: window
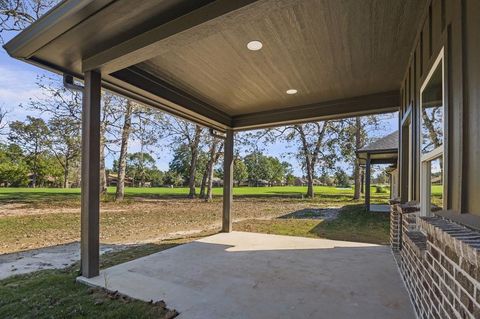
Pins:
x,y
432,130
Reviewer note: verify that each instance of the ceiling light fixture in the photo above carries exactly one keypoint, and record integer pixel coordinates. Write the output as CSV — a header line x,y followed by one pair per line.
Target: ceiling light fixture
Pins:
x,y
292,91
254,45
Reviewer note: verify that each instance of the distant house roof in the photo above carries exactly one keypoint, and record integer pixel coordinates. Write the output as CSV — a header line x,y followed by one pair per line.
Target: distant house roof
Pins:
x,y
382,151
389,142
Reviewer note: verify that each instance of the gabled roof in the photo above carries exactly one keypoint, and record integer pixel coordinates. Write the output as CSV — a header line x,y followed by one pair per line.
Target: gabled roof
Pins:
x,y
388,142
382,151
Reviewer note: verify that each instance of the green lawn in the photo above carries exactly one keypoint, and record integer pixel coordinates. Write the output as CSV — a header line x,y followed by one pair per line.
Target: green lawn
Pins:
x,y
32,195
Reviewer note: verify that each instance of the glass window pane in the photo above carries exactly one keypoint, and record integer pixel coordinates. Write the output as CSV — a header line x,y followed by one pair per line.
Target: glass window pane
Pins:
x,y
432,112
436,184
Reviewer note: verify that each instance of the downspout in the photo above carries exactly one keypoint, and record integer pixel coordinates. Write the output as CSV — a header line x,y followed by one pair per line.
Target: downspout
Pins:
x,y
68,83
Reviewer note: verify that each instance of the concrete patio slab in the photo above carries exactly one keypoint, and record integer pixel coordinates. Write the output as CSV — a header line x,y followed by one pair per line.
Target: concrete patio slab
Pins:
x,y
248,275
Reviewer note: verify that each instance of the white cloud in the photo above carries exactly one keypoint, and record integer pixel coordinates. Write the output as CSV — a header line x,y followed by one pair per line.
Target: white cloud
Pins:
x,y
17,86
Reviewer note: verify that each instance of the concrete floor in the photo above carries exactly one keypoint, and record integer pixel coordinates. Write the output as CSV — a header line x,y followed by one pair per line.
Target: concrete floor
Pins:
x,y
247,275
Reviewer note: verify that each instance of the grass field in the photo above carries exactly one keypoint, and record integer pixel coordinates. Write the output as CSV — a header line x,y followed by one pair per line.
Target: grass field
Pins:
x,y
32,195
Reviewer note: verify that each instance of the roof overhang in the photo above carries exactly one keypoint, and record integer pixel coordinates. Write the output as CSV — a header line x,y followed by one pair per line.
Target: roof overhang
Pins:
x,y
386,156
189,57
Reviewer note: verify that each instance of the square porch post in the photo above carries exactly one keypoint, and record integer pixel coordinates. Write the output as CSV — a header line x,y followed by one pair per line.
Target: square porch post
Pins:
x,y
367,183
90,206
228,182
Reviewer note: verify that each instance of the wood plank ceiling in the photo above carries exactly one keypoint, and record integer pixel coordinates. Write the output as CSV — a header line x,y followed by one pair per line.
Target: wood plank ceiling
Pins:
x,y
345,57
325,49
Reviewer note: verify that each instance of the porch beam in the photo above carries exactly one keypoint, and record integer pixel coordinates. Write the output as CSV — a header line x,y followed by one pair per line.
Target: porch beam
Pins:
x,y
382,102
180,102
90,198
228,182
367,183
145,46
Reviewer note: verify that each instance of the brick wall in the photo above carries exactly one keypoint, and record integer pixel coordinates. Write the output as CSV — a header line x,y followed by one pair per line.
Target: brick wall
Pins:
x,y
440,264
395,226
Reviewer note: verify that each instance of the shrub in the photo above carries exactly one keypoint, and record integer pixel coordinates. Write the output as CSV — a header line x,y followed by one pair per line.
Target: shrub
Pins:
x,y
380,189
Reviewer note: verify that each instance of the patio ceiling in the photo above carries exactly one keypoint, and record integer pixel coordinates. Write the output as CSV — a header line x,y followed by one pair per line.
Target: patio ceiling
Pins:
x,y
190,57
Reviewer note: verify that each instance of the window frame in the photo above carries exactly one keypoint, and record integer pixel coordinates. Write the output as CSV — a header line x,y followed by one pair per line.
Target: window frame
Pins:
x,y
439,152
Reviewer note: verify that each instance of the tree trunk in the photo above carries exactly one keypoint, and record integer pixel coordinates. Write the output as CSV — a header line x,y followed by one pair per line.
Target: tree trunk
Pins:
x,y
209,196
310,192
214,155
103,174
193,161
356,169
122,159
142,168
310,158
65,173
357,180
204,183
35,168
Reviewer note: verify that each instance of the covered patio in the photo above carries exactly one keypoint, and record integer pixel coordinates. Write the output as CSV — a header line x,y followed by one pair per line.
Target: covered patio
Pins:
x,y
231,66
382,151
248,275
228,65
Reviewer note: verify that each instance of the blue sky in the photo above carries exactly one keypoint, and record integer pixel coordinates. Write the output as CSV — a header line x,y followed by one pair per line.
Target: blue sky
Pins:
x,y
17,86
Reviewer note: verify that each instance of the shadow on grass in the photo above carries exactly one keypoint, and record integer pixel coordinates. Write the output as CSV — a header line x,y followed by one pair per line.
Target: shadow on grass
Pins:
x,y
25,197
313,213
353,223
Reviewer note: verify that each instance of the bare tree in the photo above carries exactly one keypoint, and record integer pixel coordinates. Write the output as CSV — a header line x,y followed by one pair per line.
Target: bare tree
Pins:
x,y
3,118
315,143
432,121
184,133
58,102
64,142
16,15
122,158
193,143
216,146
312,137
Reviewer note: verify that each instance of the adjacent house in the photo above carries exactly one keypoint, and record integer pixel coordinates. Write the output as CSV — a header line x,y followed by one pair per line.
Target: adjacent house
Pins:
x,y
382,151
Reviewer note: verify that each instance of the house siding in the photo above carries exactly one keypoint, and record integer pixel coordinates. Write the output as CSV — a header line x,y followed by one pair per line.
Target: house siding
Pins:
x,y
452,25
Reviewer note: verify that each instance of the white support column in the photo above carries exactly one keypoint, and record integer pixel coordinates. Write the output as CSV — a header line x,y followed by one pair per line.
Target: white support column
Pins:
x,y
228,182
90,207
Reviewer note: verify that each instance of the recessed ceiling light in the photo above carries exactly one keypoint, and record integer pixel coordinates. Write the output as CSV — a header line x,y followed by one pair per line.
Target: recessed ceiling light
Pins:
x,y
292,91
254,45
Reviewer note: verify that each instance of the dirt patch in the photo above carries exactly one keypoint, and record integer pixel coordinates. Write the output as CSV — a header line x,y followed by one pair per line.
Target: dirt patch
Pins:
x,y
55,257
28,227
